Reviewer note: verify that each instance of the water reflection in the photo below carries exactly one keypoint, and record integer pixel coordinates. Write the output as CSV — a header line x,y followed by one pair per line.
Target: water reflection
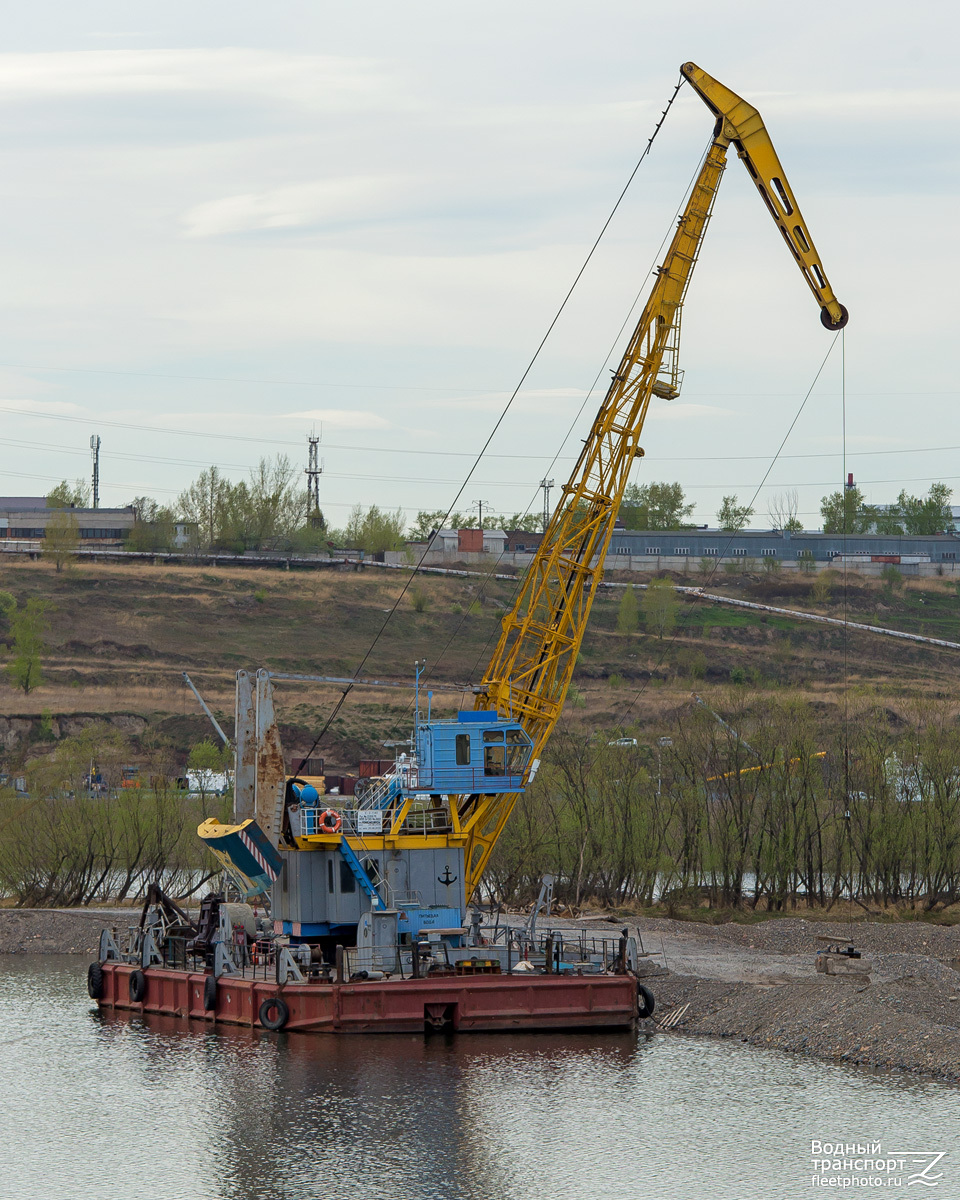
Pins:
x,y
98,1106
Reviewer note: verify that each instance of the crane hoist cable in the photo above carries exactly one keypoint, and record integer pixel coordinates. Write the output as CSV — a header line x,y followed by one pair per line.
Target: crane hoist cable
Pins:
x,y
523,378
530,672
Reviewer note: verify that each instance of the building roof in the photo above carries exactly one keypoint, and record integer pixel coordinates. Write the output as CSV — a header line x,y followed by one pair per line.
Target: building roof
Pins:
x,y
22,503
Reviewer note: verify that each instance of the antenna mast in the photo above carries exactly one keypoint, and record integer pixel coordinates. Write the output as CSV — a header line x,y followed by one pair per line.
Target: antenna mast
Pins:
x,y
313,472
95,455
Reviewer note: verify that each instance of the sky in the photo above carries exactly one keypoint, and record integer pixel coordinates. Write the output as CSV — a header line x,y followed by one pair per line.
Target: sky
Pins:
x,y
223,226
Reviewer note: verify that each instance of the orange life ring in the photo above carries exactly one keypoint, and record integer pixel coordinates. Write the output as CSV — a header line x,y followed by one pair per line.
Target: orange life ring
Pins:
x,y
330,821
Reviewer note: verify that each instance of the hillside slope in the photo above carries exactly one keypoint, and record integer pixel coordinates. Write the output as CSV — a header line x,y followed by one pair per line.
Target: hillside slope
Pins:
x,y
122,634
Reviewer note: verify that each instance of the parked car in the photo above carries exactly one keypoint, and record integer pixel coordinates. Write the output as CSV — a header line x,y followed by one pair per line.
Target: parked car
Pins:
x,y
623,742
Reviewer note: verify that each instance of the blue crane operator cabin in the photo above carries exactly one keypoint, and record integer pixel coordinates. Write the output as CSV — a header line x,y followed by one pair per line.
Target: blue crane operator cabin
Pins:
x,y
400,848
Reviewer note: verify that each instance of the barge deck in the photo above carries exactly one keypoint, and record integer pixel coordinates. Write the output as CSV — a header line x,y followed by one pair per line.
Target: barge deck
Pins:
x,y
462,1003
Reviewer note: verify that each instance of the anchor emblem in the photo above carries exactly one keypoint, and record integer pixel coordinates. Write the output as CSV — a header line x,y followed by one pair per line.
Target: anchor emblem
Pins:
x,y
446,878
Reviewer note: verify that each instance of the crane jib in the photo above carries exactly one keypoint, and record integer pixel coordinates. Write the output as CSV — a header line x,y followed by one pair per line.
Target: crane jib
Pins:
x,y
532,666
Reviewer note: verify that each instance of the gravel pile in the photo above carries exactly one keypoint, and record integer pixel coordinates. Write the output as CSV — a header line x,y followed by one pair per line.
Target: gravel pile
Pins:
x,y
57,931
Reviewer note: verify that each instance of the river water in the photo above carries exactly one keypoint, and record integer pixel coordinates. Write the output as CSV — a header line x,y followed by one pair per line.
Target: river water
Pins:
x,y
97,1108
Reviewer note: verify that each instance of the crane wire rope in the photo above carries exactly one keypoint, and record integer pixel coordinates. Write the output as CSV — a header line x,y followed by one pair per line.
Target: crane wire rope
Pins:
x,y
640,294
513,395
845,522
685,616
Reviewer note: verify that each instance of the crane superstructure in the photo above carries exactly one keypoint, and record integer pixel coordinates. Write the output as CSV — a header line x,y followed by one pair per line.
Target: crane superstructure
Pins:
x,y
411,846
533,663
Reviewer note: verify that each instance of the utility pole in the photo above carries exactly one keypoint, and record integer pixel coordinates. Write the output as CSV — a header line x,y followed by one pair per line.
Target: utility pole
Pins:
x,y
95,455
479,506
313,472
546,485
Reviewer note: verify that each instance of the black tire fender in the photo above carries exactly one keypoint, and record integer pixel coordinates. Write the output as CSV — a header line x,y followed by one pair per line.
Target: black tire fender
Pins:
x,y
138,986
209,994
274,1013
95,981
645,1002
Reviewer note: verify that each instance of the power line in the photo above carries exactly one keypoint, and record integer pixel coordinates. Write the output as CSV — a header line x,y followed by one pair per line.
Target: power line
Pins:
x,y
385,387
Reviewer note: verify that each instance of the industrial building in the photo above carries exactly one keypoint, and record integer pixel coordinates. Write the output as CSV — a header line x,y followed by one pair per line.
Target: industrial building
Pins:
x,y
24,519
783,545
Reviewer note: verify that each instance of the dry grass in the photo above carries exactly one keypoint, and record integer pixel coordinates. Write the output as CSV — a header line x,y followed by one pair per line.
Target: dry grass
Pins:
x,y
122,634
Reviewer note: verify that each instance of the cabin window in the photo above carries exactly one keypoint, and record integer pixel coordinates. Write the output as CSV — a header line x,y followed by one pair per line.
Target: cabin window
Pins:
x,y
348,884
493,760
518,751
463,749
330,876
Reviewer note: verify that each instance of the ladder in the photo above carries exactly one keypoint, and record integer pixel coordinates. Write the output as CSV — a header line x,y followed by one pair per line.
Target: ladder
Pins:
x,y
359,874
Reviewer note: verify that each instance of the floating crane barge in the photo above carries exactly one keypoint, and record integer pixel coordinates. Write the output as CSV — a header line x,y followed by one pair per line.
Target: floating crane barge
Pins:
x,y
370,894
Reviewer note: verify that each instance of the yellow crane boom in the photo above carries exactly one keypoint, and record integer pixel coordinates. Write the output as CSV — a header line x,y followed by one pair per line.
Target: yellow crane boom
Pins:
x,y
533,663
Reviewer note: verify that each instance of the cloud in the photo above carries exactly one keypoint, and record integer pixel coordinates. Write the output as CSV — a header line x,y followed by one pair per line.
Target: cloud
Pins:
x,y
533,399
905,104
21,406
688,412
340,418
313,80
297,205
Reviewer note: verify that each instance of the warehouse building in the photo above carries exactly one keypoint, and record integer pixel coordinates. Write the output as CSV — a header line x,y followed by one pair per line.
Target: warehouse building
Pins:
x,y
24,519
783,545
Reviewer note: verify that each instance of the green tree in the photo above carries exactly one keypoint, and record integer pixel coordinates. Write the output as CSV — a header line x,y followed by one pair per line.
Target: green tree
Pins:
x,y
207,759
655,506
261,513
628,613
430,520
923,516
374,530
204,502
660,604
846,512
61,540
29,628
154,528
528,522
733,516
69,495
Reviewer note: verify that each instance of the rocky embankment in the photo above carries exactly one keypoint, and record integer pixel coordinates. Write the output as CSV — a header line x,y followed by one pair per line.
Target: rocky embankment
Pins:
x,y
753,983
58,930
758,984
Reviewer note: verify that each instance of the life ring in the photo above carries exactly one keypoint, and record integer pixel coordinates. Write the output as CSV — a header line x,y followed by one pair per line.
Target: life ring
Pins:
x,y
647,1003
95,981
330,821
274,1013
209,994
138,986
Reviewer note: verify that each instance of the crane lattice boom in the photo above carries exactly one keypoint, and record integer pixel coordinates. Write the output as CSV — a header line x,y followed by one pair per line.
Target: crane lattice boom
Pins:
x,y
533,663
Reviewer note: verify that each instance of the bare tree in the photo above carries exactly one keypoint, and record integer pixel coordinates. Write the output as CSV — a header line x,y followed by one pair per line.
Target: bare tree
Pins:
x,y
782,510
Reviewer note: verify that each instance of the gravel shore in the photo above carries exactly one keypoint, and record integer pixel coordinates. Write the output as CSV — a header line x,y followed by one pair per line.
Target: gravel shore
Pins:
x,y
755,983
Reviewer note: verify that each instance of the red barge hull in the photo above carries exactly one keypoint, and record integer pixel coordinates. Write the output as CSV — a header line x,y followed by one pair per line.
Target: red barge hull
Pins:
x,y
481,1003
